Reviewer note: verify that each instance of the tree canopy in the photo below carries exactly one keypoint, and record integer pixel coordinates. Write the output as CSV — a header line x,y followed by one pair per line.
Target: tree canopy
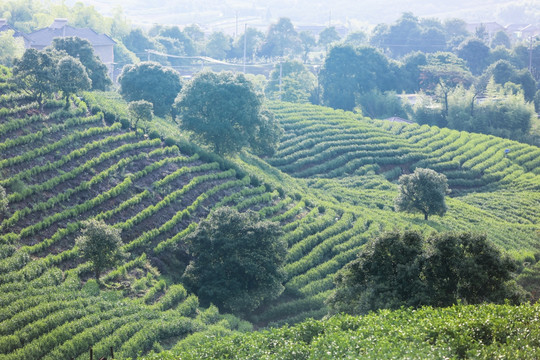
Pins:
x,y
71,77
422,191
224,111
237,260
402,269
348,71
281,40
140,111
35,73
152,82
100,244
82,49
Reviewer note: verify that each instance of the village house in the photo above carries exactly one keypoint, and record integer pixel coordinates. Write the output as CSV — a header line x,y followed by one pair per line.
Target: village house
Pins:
x,y
102,44
4,26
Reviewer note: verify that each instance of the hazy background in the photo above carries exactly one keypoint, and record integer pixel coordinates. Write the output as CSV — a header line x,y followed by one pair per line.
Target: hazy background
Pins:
x,y
355,15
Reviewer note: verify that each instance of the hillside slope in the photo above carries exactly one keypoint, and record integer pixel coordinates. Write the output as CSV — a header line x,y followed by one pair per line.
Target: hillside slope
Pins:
x,y
328,186
60,167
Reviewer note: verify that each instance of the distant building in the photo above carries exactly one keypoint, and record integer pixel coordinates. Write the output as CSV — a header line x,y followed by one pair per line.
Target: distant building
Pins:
x,y
4,26
491,28
103,44
529,31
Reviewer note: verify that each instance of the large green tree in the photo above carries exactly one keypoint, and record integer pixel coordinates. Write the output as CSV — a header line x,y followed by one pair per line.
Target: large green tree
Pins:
x,y
348,71
237,260
423,191
152,82
251,40
218,45
224,111
71,77
402,269
281,40
475,53
100,244
140,111
328,36
386,275
35,73
82,49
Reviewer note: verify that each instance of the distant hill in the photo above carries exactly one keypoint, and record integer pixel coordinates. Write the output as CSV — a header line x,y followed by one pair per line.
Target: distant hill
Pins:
x,y
223,15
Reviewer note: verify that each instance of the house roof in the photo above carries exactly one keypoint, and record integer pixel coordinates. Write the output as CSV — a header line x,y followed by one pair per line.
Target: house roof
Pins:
x,y
491,27
4,26
44,37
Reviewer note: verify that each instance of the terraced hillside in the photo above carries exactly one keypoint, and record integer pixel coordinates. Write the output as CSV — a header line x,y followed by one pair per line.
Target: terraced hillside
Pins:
x,y
60,167
343,162
328,186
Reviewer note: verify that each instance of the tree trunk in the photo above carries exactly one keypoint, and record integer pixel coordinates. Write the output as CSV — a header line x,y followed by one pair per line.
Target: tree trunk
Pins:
x,y
425,215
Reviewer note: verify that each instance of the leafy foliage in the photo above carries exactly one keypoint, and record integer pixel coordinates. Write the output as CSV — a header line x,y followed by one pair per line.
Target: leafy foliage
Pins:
x,y
281,40
100,244
140,111
461,332
423,191
396,270
237,260
11,48
223,111
4,202
349,71
82,49
151,82
71,77
35,73
297,83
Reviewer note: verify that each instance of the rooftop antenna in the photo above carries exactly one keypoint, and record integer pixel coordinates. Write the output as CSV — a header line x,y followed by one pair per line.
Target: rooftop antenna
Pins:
x,y
330,19
236,29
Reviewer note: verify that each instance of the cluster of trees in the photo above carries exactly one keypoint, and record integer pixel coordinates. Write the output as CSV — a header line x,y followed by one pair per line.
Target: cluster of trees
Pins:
x,y
474,88
404,269
281,40
221,110
69,65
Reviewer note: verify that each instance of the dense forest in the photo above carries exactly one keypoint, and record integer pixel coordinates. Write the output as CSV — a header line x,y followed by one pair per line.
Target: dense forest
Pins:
x,y
278,194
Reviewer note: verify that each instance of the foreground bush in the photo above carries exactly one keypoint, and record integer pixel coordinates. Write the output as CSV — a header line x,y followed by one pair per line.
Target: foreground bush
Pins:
x,y
479,332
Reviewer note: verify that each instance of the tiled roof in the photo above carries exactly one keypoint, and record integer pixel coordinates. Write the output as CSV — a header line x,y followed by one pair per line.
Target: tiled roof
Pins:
x,y
6,27
45,36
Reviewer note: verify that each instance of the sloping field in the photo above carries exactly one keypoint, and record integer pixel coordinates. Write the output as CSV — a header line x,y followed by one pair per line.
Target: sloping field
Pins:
x,y
60,167
346,160
328,186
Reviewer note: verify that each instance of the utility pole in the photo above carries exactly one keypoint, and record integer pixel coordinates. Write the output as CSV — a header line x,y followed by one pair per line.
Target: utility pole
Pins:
x,y
245,46
280,74
530,53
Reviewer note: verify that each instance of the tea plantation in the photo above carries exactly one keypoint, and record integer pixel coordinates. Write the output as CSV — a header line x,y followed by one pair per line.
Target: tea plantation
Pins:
x,y
330,185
